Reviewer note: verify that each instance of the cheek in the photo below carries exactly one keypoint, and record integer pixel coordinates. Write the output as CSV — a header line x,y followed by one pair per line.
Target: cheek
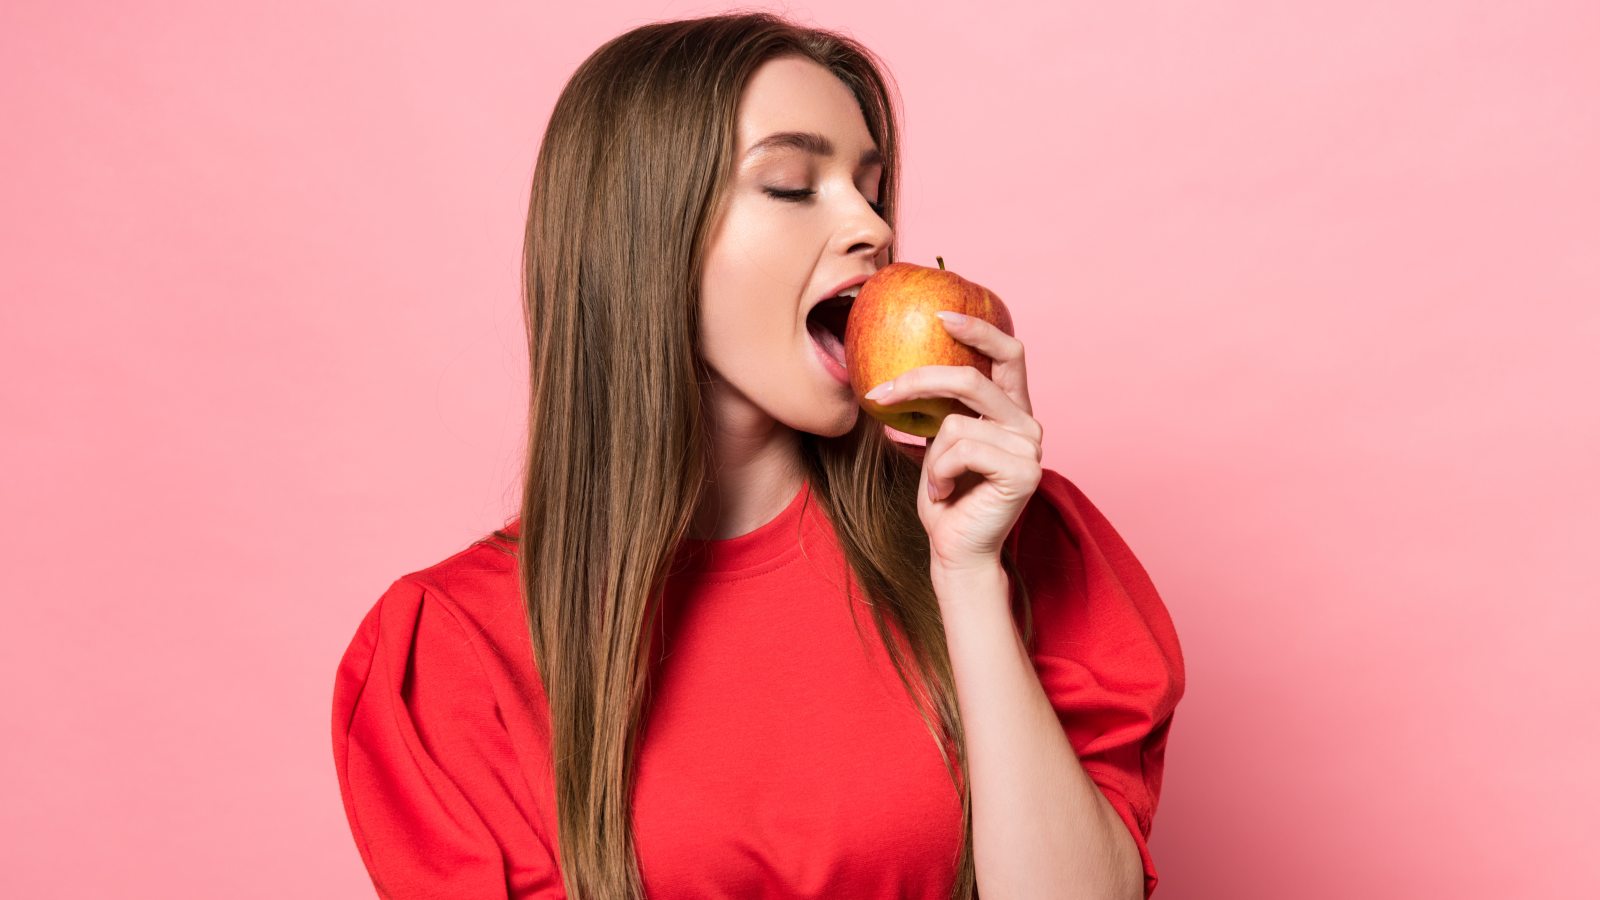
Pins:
x,y
757,245
736,318
754,277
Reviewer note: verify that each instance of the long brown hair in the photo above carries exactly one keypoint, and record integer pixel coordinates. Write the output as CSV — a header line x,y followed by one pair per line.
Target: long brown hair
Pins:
x,y
634,166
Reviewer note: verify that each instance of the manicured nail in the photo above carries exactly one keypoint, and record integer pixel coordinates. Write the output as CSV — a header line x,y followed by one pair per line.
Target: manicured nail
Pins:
x,y
952,318
880,391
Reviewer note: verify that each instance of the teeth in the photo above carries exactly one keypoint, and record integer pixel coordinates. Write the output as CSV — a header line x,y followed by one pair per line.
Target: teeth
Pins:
x,y
850,291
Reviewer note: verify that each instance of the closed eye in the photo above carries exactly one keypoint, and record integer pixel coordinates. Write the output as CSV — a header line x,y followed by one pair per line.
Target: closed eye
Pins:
x,y
803,195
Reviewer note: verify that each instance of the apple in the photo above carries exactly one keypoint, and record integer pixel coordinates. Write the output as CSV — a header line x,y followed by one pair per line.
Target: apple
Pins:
x,y
892,329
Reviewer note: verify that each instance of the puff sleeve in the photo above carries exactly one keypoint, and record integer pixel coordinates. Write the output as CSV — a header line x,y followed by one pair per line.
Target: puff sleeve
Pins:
x,y
430,780
1104,648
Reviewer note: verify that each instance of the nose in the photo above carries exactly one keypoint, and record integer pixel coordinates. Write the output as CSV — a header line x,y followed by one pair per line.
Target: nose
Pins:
x,y
865,233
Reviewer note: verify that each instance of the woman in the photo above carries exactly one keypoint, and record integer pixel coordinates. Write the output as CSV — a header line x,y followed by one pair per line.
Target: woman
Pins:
x,y
656,680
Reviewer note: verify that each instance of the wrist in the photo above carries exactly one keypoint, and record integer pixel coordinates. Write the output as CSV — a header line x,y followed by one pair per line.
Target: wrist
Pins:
x,y
952,580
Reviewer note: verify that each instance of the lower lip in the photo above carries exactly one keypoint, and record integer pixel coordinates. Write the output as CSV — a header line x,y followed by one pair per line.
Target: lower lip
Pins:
x,y
829,363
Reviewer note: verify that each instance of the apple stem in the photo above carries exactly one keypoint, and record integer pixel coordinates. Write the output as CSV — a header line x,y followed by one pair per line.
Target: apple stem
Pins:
x,y
941,262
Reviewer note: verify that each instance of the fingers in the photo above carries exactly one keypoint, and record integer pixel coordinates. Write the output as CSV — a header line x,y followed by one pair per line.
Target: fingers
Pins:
x,y
966,444
1010,370
983,336
962,383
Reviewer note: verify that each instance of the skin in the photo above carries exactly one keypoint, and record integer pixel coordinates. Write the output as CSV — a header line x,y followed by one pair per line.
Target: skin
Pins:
x,y
768,260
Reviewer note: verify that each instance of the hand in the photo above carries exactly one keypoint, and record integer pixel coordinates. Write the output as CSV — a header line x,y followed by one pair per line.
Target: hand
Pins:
x,y
967,518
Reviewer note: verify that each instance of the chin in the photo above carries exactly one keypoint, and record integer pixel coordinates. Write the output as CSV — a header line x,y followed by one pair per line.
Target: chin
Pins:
x,y
831,428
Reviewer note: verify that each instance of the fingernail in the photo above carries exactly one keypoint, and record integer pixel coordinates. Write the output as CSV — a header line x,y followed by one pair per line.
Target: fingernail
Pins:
x,y
933,494
953,318
880,391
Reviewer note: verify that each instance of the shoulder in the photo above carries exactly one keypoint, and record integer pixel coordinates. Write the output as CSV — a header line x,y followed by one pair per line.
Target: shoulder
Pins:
x,y
472,586
410,626
1072,558
1058,515
441,614
474,575
1088,586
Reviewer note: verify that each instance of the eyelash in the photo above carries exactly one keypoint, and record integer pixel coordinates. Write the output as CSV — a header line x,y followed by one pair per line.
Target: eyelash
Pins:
x,y
800,196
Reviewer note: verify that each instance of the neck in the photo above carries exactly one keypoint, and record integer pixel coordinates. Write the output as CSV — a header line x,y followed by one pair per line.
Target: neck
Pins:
x,y
756,471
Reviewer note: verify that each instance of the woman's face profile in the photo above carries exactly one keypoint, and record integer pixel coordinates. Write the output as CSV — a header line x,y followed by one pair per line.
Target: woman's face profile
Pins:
x,y
771,258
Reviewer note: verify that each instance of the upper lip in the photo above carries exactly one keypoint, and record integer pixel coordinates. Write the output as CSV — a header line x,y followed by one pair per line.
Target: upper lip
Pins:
x,y
841,287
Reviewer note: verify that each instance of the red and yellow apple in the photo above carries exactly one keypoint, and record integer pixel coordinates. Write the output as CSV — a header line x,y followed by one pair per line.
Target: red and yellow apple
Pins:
x,y
892,329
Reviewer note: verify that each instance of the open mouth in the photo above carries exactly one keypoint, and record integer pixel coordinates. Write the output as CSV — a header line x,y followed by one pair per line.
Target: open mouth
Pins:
x,y
826,323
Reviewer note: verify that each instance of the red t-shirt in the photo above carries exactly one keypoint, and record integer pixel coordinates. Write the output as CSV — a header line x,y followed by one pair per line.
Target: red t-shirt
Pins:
x,y
781,756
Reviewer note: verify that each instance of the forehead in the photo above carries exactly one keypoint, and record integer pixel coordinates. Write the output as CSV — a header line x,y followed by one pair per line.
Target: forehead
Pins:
x,y
790,94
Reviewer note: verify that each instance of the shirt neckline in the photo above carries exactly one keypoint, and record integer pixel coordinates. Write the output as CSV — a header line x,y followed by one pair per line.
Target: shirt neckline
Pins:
x,y
767,546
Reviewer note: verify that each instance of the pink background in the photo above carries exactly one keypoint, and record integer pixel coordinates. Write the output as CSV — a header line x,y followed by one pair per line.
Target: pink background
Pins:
x,y
1310,297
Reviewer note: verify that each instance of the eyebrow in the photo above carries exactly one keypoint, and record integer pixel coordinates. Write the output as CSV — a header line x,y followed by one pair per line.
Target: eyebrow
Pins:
x,y
807,142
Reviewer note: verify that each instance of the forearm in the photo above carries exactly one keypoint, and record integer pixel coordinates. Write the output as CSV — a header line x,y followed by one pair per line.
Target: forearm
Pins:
x,y
1041,827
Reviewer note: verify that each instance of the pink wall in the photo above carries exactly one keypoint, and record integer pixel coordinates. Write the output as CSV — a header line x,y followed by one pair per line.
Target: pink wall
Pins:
x,y
1310,296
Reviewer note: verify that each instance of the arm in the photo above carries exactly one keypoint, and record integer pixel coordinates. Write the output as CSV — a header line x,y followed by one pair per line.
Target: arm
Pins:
x,y
1041,827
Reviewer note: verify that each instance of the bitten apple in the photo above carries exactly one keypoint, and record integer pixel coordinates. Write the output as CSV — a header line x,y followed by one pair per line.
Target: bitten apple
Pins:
x,y
892,329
